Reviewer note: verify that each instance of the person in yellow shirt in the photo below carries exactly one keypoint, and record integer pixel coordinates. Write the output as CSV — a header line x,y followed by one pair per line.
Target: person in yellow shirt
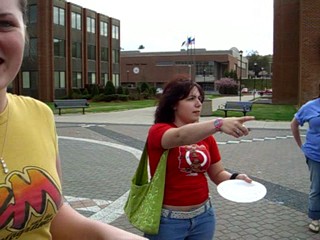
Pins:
x,y
31,202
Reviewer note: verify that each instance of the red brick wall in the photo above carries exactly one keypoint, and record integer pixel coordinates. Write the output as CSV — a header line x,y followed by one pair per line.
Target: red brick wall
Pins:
x,y
285,79
309,50
296,60
45,58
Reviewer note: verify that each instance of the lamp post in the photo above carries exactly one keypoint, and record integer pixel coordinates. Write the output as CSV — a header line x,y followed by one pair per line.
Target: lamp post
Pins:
x,y
262,73
204,79
240,52
254,80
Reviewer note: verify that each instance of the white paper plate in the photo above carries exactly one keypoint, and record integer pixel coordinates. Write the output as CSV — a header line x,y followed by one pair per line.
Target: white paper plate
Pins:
x,y
240,191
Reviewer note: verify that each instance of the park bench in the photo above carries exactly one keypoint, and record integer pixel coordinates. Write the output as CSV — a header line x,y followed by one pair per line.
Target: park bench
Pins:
x,y
71,103
243,107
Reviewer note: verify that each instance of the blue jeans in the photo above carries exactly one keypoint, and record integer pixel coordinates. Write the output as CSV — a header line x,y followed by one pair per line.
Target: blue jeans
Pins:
x,y
199,227
314,194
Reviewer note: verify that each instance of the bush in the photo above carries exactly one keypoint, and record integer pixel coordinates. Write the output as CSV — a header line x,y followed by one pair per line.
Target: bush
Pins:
x,y
110,98
76,93
227,86
105,98
98,98
109,88
126,91
123,97
93,89
153,90
119,90
84,91
144,87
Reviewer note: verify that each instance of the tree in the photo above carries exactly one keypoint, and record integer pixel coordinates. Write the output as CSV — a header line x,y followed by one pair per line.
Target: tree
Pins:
x,y
231,74
261,62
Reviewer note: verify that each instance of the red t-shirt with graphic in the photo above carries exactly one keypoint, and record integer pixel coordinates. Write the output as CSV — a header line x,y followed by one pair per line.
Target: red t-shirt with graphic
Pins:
x,y
186,182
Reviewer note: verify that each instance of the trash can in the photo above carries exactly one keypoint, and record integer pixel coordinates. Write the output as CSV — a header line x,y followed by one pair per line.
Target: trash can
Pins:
x,y
206,108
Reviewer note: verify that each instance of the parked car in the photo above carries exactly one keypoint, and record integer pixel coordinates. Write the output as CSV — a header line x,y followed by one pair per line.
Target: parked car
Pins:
x,y
159,90
265,92
244,90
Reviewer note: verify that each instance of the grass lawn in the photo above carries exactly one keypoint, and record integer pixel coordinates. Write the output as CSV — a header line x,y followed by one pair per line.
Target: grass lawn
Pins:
x,y
271,112
96,107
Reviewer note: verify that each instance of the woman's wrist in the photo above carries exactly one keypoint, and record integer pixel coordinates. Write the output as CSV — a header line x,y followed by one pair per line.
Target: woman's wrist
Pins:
x,y
234,176
217,123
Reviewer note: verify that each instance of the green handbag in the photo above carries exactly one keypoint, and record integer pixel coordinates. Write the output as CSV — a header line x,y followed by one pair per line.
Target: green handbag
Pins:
x,y
144,203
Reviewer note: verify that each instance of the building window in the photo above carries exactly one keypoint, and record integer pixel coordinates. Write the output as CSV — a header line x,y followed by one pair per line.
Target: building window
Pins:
x,y
91,78
104,78
91,52
115,79
205,67
104,29
104,54
76,21
32,13
30,80
76,49
91,25
115,56
59,80
58,16
26,82
115,32
76,79
59,47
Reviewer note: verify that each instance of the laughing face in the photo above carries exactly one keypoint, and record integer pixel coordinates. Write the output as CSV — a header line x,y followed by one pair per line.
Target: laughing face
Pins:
x,y
12,40
188,110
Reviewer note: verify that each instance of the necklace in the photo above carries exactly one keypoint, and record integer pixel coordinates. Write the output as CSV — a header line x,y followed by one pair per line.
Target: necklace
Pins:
x,y
2,161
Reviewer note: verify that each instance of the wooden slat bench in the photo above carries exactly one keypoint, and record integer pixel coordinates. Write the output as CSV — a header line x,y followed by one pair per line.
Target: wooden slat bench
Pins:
x,y
71,103
243,107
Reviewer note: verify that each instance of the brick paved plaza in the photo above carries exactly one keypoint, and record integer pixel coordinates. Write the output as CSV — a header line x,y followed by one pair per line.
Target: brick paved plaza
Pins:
x,y
99,159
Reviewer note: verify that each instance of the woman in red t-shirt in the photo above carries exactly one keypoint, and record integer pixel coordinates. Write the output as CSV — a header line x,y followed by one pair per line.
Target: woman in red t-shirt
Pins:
x,y
187,211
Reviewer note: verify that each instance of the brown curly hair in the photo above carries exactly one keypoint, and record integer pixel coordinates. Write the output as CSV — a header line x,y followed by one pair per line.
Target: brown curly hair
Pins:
x,y
174,91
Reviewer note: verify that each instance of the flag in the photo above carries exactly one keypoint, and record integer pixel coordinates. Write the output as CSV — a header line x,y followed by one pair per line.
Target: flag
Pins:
x,y
188,42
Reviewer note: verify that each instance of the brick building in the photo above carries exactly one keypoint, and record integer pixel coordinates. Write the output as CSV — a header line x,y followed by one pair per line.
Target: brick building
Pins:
x,y
157,68
296,60
69,47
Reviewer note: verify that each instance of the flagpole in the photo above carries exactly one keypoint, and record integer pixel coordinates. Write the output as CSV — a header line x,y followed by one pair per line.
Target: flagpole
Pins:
x,y
190,51
194,52
191,61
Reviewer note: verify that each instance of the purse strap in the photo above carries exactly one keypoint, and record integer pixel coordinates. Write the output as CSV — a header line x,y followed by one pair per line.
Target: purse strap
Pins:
x,y
141,175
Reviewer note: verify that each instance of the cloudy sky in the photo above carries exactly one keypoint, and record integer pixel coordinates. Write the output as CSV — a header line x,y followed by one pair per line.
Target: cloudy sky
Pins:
x,y
215,24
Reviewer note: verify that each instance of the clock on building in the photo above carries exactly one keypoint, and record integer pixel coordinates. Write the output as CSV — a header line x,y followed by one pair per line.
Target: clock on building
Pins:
x,y
136,70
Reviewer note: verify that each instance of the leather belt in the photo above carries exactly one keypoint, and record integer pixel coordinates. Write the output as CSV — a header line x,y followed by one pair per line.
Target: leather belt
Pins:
x,y
185,214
